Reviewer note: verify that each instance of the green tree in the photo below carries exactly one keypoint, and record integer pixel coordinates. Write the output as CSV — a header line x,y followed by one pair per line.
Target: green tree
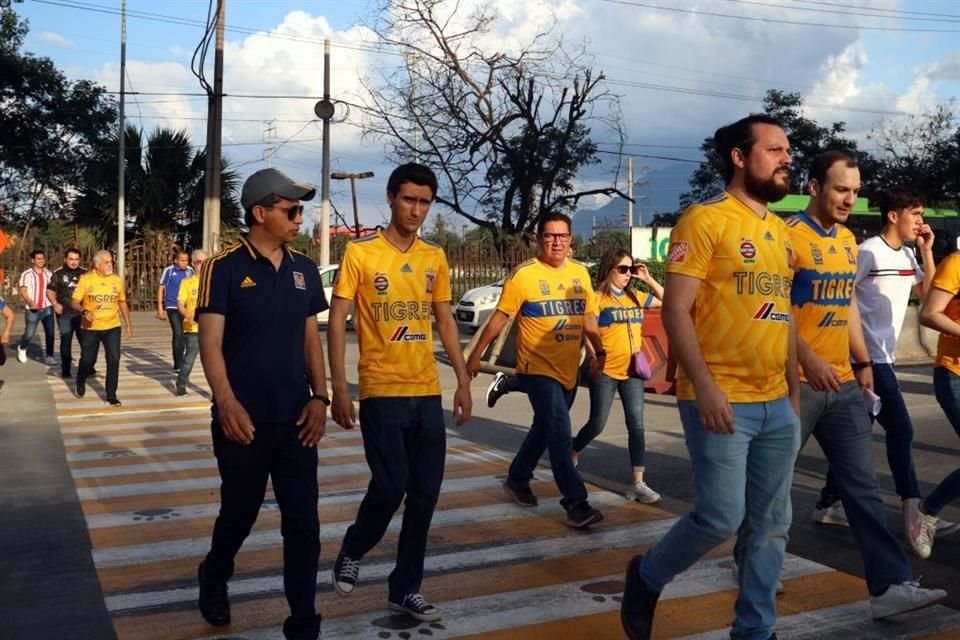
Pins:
x,y
443,233
164,187
807,140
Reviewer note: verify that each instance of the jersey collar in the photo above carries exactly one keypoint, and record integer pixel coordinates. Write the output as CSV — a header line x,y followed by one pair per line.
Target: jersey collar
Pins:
x,y
256,255
813,224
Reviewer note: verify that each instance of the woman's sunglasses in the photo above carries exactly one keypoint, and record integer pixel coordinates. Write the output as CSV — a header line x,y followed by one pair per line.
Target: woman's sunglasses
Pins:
x,y
623,269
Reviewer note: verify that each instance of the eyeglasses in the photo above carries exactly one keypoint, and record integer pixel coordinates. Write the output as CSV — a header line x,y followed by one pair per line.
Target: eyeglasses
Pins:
x,y
292,212
623,269
555,237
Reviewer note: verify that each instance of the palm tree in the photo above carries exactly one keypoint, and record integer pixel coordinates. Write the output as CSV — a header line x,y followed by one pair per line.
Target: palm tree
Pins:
x,y
164,188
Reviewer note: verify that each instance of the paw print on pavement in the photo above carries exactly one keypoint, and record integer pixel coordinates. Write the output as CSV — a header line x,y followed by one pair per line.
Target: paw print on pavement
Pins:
x,y
405,627
607,589
118,453
149,515
203,447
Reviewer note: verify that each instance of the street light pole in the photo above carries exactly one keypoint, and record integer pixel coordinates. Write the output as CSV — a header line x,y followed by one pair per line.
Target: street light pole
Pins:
x,y
121,170
353,177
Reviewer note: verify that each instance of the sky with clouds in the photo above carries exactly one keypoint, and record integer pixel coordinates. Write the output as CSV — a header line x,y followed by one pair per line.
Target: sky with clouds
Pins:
x,y
681,67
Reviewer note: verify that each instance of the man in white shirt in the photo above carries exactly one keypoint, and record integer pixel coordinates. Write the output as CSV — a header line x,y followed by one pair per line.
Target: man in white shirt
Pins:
x,y
887,273
37,308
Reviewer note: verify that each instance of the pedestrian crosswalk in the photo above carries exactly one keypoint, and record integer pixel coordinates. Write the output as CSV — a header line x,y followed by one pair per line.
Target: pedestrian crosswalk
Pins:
x,y
148,485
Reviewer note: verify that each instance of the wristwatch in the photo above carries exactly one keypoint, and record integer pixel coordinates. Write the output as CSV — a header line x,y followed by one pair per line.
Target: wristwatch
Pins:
x,y
601,353
857,366
324,399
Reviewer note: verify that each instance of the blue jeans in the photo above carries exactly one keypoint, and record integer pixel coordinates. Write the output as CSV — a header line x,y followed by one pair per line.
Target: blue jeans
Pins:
x,y
69,325
946,386
192,342
177,343
32,319
602,389
549,432
841,425
742,481
405,443
895,420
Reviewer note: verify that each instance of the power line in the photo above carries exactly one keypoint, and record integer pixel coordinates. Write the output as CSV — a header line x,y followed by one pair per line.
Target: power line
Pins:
x,y
894,11
857,13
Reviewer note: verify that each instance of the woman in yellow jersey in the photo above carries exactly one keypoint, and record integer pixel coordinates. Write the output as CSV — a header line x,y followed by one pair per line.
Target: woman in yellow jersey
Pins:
x,y
621,321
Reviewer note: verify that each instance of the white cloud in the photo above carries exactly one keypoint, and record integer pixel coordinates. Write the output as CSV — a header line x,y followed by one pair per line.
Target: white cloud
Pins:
x,y
57,40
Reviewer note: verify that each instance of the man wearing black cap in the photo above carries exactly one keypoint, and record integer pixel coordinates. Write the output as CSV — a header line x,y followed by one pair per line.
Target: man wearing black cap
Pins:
x,y
263,358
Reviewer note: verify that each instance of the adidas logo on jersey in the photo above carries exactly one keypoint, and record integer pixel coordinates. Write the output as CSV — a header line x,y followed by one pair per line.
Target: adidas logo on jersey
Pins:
x,y
247,282
406,268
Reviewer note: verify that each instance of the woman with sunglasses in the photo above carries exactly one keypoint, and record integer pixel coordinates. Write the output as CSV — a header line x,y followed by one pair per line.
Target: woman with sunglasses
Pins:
x,y
621,321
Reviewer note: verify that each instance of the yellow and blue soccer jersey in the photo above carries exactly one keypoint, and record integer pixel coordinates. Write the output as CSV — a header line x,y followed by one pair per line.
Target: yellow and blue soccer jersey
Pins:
x,y
550,304
621,328
101,296
947,279
187,294
825,267
742,309
393,292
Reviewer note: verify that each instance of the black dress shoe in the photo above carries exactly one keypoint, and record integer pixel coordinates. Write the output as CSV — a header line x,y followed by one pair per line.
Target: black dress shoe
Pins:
x,y
639,603
213,600
81,388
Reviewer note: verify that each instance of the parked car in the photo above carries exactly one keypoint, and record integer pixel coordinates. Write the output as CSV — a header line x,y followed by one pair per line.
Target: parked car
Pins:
x,y
328,274
477,304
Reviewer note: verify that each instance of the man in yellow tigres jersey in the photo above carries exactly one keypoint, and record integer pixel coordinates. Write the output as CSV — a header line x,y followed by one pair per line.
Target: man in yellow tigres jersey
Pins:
x,y
101,300
726,309
831,402
555,307
187,306
397,283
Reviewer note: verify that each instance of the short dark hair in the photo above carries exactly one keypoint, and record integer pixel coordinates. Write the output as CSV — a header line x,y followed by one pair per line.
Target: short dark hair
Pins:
x,y
67,253
738,135
181,252
248,218
824,161
897,199
37,252
412,172
553,216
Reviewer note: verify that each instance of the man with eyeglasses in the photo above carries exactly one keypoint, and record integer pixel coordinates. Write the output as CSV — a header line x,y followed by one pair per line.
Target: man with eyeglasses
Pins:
x,y
262,356
555,307
187,306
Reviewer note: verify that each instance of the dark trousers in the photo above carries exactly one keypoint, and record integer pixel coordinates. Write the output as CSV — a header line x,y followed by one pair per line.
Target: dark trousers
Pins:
x,y
177,343
405,444
90,342
275,453
549,432
32,319
946,386
69,325
898,429
192,342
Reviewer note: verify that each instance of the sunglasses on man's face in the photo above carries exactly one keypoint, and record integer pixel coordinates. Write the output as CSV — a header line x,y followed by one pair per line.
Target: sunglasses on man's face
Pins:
x,y
292,212
623,269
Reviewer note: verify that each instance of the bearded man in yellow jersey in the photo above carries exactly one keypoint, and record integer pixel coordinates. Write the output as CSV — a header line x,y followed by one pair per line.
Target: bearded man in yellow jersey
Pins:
x,y
726,309
832,407
101,300
397,283
555,306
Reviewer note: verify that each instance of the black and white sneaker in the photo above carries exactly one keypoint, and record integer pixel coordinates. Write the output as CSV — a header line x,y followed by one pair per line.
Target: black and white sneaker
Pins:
x,y
497,389
346,570
113,402
415,606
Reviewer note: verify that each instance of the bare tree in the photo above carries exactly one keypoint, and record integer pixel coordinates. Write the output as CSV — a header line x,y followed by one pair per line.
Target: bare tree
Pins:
x,y
507,131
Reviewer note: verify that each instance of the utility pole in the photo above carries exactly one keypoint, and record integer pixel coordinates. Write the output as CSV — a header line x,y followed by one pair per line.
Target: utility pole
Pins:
x,y
324,110
353,177
629,193
121,169
269,135
211,203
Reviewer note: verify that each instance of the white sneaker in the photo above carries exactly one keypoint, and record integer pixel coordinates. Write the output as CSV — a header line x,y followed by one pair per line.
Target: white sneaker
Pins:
x,y
21,354
918,533
497,389
946,528
904,597
50,361
642,494
834,514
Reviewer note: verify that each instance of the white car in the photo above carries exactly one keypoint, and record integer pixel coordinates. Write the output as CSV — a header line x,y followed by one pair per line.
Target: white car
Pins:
x,y
328,275
477,304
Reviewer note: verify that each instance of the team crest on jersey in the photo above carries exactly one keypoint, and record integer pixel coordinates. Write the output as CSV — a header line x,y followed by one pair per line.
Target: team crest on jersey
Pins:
x,y
298,280
430,278
381,284
577,286
749,252
677,252
544,287
816,253
852,259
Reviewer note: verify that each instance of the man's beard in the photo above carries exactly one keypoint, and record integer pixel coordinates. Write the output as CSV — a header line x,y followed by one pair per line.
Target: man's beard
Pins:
x,y
765,190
